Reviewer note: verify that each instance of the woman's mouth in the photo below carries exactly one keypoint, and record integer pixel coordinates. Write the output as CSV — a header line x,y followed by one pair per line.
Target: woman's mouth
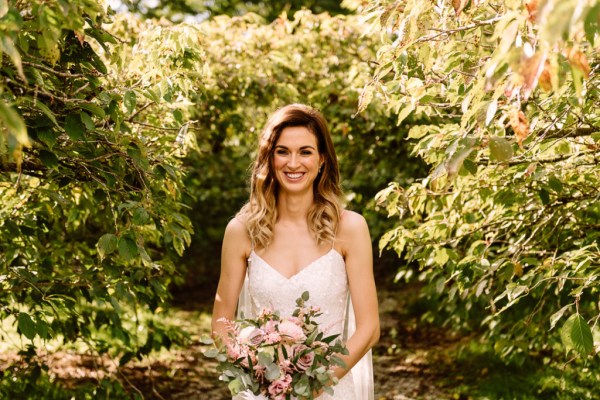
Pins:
x,y
294,176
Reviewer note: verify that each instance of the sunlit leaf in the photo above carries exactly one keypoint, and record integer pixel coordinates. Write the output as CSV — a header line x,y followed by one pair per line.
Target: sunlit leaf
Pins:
x,y
520,125
107,244
576,335
500,148
14,124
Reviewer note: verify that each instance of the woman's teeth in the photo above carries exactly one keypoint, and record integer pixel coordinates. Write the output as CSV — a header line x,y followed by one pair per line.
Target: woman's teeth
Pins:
x,y
295,175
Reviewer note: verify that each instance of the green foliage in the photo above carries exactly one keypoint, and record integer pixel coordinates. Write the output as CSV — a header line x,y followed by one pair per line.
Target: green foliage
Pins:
x,y
476,372
91,142
505,226
256,68
178,10
34,383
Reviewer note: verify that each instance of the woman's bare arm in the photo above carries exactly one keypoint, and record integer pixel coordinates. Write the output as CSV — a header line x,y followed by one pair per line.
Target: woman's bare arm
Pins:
x,y
355,241
234,255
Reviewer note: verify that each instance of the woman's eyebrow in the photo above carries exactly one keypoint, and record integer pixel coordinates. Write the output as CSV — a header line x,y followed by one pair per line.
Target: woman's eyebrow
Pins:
x,y
280,146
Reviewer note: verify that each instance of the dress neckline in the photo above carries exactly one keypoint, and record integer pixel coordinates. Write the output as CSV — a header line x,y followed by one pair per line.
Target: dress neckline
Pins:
x,y
308,266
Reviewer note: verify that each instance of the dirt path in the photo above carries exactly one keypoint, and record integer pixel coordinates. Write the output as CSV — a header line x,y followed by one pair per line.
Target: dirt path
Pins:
x,y
408,361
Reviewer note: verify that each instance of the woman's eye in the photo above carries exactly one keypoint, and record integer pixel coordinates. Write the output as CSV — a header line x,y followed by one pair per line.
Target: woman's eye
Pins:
x,y
307,152
281,152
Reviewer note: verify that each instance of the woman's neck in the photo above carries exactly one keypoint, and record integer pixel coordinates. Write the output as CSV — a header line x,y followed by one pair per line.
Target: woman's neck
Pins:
x,y
294,207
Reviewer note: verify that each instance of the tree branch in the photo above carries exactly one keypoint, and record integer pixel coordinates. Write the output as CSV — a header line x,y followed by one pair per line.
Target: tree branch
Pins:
x,y
441,32
570,133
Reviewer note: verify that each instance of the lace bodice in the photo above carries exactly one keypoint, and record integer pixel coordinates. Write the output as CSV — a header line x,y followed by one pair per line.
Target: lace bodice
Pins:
x,y
327,283
324,279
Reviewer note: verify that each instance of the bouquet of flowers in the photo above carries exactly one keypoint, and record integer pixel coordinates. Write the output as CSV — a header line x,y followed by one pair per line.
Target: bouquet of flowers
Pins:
x,y
279,357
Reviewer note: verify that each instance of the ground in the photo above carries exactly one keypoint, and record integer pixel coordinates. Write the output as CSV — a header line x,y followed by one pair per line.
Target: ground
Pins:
x,y
409,360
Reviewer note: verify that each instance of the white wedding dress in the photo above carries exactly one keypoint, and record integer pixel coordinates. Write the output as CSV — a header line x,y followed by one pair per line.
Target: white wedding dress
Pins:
x,y
327,283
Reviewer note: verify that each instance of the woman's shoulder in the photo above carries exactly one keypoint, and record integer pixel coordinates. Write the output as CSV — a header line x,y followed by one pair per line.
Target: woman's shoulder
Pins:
x,y
352,229
236,231
353,234
350,221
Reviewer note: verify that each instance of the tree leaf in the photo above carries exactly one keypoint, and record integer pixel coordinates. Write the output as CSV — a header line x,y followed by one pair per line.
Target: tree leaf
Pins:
x,y
26,325
577,335
127,248
94,109
8,47
126,358
520,125
14,124
555,184
44,108
500,148
531,69
140,216
107,244
459,5
592,23
558,315
49,159
47,137
491,111
365,98
544,196
87,121
74,127
130,101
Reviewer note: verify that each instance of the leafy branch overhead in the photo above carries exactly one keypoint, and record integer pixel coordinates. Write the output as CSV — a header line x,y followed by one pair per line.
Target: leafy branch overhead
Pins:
x,y
509,212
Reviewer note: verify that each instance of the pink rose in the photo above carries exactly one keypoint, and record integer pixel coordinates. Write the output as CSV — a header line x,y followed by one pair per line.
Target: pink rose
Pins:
x,y
252,336
303,361
291,331
256,337
278,388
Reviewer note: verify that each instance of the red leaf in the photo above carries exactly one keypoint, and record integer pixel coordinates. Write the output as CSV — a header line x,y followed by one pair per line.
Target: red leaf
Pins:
x,y
578,60
545,80
532,9
80,36
459,5
531,69
520,125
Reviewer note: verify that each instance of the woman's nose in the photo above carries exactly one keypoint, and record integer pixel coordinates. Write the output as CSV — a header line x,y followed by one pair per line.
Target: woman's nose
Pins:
x,y
293,161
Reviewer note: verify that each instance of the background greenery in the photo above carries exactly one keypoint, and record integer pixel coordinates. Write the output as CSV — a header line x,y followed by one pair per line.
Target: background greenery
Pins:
x,y
467,134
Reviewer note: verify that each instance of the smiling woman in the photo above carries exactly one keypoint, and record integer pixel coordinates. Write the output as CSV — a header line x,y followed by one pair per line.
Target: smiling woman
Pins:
x,y
293,237
297,161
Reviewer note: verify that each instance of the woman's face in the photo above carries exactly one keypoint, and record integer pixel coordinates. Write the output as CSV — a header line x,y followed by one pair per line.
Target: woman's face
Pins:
x,y
296,159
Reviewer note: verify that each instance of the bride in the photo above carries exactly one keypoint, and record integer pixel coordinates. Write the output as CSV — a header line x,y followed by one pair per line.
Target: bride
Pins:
x,y
293,236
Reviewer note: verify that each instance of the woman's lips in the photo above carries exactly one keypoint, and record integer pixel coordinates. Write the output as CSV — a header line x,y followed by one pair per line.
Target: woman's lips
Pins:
x,y
294,175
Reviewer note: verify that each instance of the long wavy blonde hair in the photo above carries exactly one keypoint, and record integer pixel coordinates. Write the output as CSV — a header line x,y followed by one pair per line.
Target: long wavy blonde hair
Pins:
x,y
260,213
